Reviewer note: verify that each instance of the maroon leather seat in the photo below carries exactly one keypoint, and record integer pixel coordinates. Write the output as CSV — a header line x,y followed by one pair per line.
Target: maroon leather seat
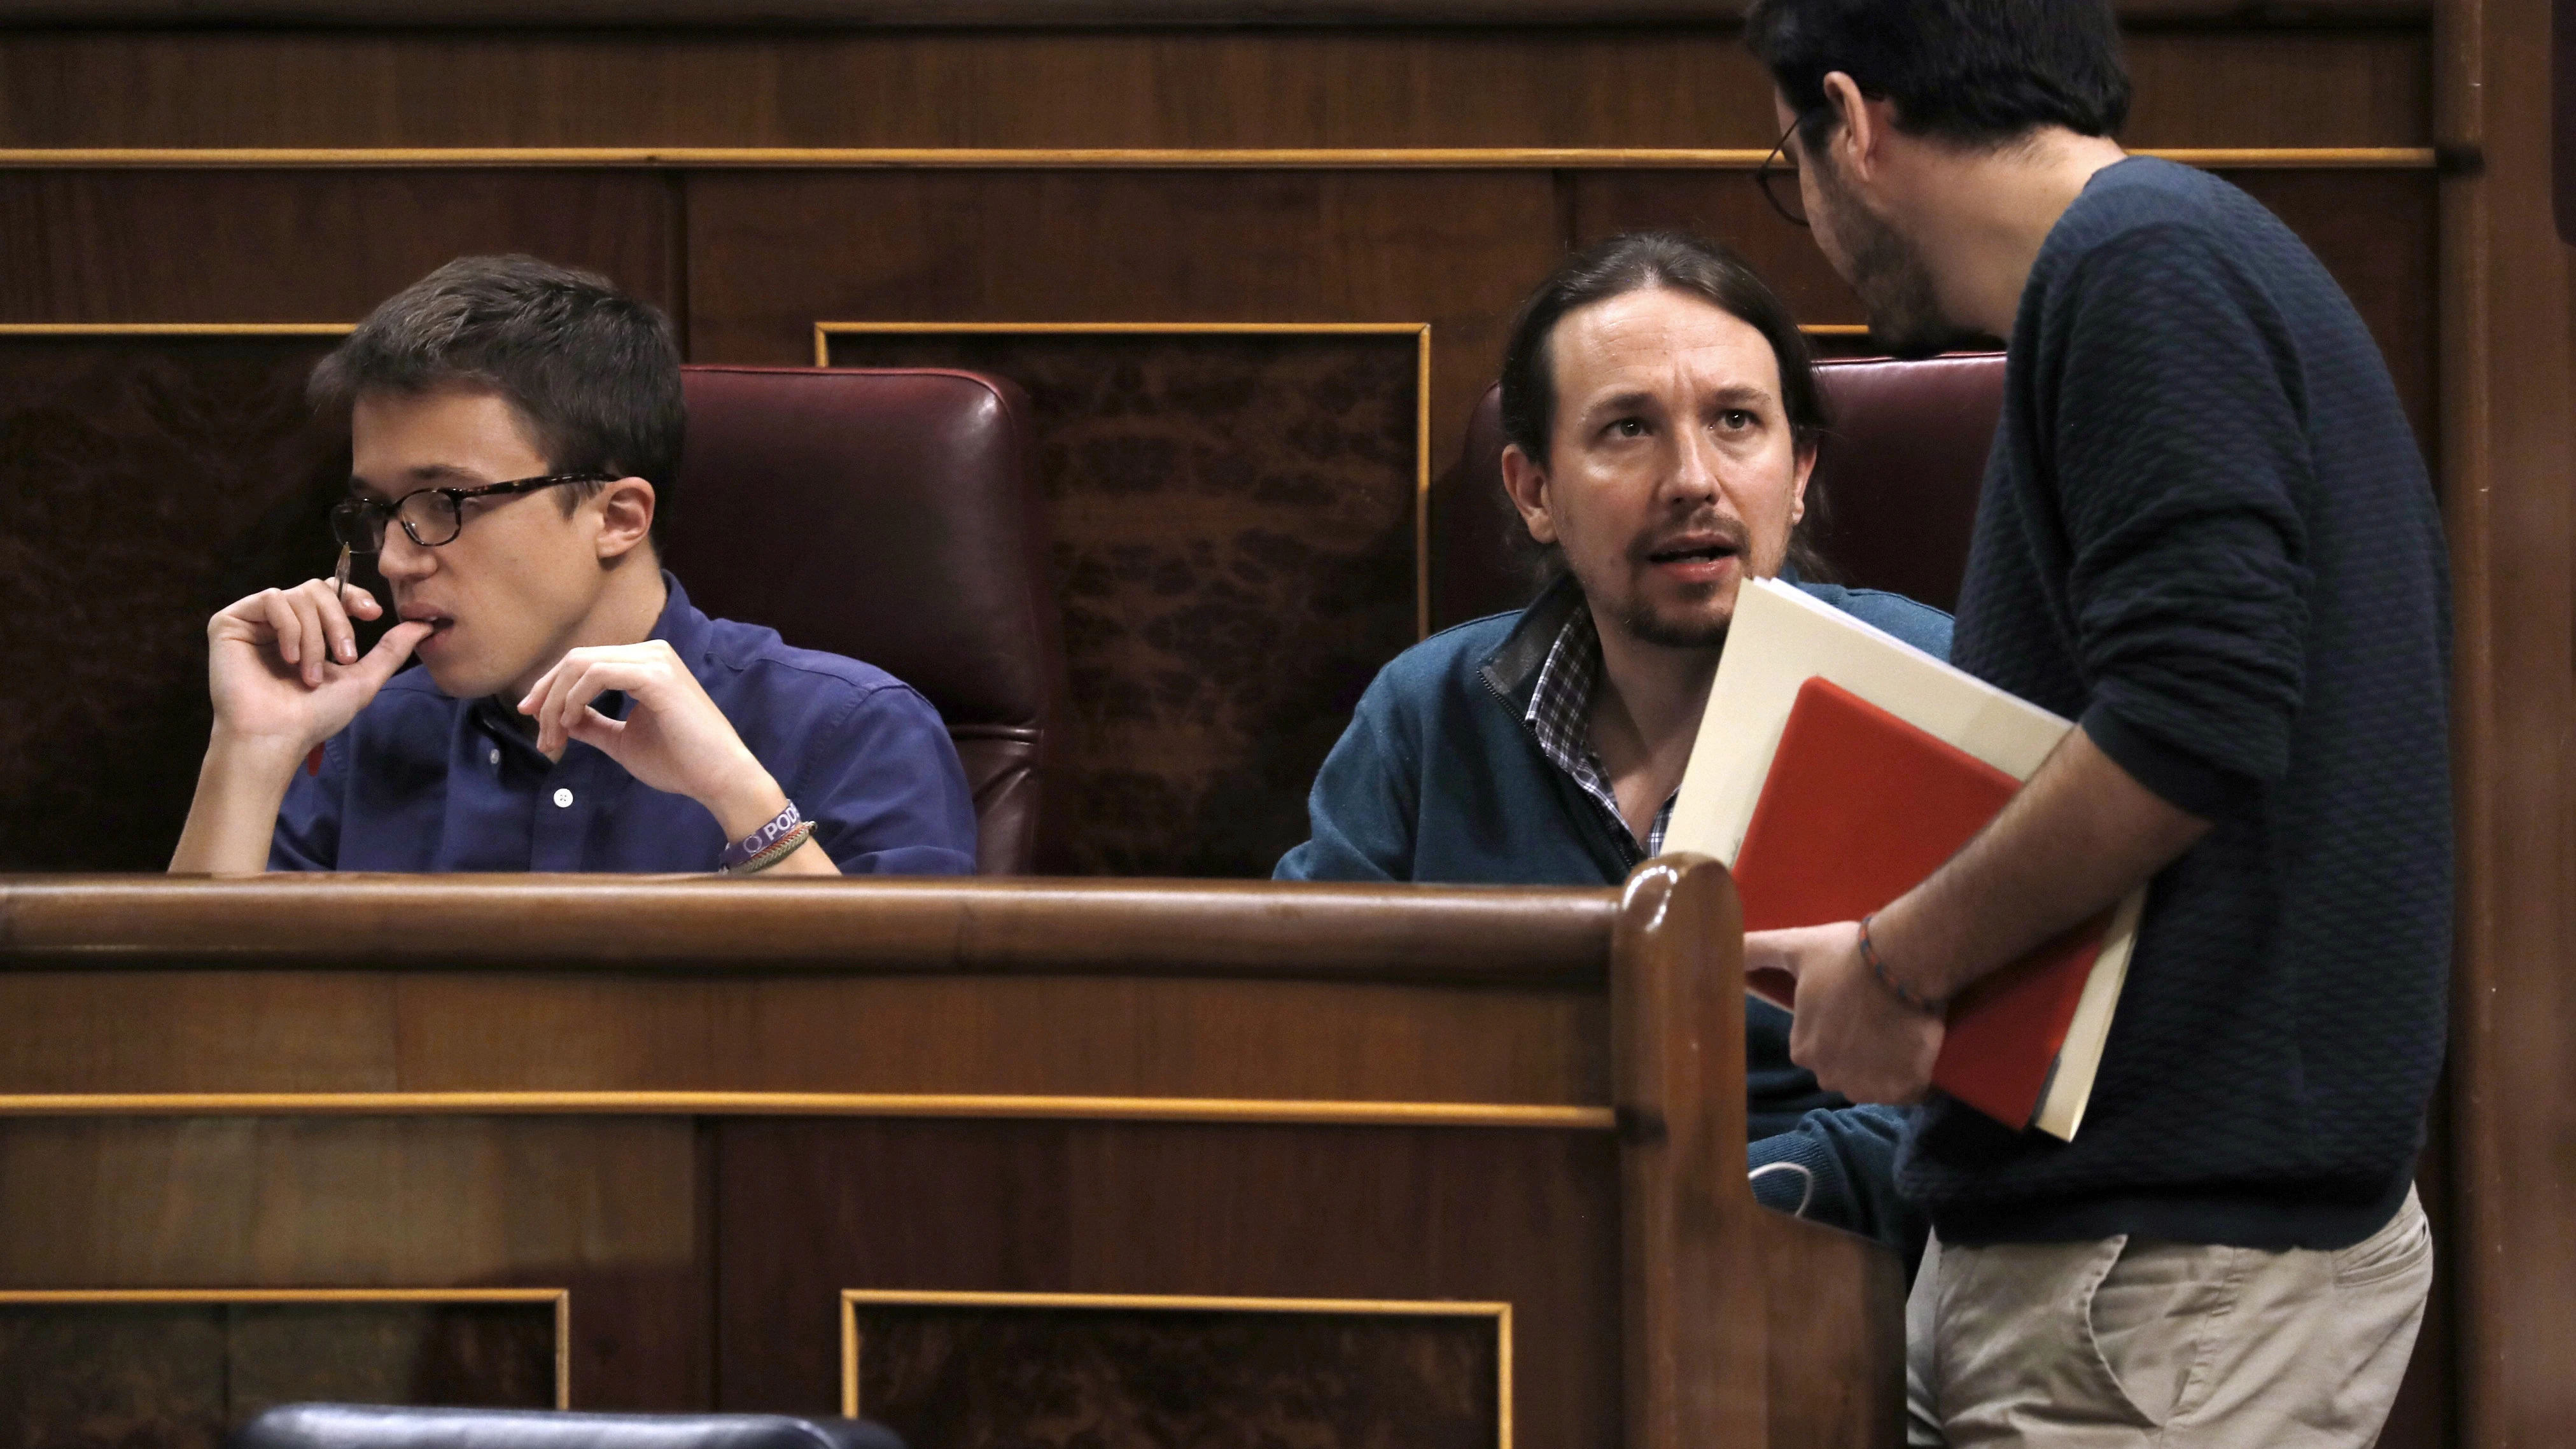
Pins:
x,y
890,515
1897,477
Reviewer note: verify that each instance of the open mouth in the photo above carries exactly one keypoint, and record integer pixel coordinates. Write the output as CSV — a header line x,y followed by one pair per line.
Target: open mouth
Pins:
x,y
1696,553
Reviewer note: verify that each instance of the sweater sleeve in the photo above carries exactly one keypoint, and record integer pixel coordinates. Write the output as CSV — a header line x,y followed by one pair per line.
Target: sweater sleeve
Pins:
x,y
1838,1166
2180,457
1362,808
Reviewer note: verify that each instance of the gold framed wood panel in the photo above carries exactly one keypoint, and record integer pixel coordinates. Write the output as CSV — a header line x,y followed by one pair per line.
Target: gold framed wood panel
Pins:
x,y
1315,1113
560,1298
1501,1313
177,329
824,332
1454,158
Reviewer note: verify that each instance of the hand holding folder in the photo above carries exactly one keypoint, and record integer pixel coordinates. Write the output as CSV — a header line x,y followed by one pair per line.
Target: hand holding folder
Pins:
x,y
1836,767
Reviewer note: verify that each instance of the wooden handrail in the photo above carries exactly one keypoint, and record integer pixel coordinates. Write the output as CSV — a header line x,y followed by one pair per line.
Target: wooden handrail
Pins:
x,y
1459,934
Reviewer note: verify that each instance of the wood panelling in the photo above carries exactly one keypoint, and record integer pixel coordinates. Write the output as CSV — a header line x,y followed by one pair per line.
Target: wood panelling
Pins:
x,y
143,485
1233,525
2509,456
1593,86
1452,249
1054,1376
305,246
180,1375
608,1210
1526,1218
706,1259
168,1033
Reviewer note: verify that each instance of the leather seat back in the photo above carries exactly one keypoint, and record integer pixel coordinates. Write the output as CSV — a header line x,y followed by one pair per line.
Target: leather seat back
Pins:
x,y
890,515
1897,476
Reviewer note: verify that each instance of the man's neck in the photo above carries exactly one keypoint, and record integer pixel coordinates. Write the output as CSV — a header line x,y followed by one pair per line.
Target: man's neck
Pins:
x,y
630,603
1645,717
1981,217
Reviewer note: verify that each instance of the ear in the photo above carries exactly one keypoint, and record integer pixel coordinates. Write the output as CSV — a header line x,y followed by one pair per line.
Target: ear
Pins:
x,y
1859,143
1798,489
1526,483
625,517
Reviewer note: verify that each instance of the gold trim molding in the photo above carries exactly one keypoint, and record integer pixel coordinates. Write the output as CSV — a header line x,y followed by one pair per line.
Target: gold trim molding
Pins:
x,y
824,332
561,1298
1320,1113
969,158
177,329
1501,1313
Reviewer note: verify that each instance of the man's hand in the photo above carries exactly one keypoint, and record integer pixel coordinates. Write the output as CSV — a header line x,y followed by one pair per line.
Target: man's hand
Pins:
x,y
673,738
283,668
283,665
1850,1030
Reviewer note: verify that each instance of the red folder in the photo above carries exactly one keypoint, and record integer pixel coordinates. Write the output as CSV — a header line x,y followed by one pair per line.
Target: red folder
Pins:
x,y
1857,808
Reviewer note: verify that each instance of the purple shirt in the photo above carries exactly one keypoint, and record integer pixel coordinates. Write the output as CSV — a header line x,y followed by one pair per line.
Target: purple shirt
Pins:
x,y
422,782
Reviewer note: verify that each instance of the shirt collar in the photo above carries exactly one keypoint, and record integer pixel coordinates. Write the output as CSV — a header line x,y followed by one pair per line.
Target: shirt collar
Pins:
x,y
1513,668
1559,718
681,626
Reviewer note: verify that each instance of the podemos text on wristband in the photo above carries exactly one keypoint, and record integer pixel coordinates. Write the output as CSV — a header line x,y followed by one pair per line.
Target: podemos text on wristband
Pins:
x,y
762,845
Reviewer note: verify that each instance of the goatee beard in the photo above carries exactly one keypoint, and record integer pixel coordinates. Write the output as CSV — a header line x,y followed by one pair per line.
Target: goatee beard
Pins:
x,y
1905,318
1641,623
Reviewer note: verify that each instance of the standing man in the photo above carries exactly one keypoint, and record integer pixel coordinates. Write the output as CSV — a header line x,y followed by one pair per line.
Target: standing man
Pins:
x,y
515,435
2208,536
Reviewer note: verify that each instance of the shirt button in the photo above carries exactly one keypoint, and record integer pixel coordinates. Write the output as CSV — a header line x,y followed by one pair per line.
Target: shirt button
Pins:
x,y
563,799
496,757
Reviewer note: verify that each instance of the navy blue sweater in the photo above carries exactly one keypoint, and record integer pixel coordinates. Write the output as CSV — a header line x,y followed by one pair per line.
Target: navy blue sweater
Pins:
x,y
1438,779
2207,533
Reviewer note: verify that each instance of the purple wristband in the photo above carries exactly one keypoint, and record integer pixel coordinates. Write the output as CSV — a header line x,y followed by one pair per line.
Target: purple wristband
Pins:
x,y
739,853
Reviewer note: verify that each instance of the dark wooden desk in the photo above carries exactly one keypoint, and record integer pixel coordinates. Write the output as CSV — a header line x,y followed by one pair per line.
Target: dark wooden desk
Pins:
x,y
1015,1161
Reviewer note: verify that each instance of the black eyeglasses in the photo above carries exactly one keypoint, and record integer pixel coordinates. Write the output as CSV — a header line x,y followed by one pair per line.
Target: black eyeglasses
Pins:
x,y
431,516
1771,175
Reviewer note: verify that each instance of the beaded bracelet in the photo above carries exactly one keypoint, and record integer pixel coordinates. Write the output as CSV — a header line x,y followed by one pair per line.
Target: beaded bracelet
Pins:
x,y
778,850
1869,957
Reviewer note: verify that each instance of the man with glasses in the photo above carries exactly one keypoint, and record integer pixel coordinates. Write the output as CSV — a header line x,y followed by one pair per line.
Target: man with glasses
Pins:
x,y
515,431
2207,535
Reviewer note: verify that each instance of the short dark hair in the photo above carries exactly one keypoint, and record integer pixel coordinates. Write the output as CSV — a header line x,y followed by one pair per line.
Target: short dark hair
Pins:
x,y
594,371
1975,72
1642,261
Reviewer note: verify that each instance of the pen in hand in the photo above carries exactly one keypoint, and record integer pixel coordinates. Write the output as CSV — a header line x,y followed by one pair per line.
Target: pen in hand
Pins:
x,y
339,591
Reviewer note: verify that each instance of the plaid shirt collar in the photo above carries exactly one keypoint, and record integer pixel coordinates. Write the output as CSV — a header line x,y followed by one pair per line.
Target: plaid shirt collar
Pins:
x,y
1559,718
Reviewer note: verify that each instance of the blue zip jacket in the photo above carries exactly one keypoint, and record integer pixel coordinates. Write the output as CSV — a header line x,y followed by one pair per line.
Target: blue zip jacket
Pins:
x,y
1438,780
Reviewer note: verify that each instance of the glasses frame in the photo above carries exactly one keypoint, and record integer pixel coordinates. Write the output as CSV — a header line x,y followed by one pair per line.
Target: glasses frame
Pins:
x,y
1770,171
376,512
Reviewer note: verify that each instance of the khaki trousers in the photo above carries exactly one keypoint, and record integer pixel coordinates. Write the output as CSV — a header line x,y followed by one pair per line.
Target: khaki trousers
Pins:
x,y
2123,1342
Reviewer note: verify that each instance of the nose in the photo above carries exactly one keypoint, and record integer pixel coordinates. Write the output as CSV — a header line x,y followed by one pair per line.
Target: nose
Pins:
x,y
400,559
1694,479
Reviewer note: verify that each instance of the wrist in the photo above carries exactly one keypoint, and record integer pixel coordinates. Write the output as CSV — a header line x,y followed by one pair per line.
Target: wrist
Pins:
x,y
747,801
1873,957
229,753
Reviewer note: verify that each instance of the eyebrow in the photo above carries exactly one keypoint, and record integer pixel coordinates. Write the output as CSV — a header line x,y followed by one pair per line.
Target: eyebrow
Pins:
x,y
1741,395
426,475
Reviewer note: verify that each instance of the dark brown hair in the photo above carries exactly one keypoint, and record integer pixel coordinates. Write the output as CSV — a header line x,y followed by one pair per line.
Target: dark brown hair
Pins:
x,y
1979,73
594,371
1637,262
